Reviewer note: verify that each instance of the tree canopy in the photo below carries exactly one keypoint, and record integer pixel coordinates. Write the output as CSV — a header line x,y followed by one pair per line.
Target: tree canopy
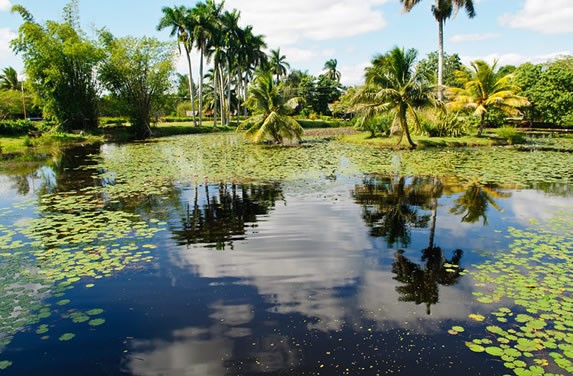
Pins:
x,y
60,62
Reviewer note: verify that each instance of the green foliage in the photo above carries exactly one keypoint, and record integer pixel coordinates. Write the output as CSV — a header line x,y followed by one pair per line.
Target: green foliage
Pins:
x,y
271,119
15,127
443,124
317,92
60,63
394,86
549,87
484,89
379,123
429,67
137,72
510,134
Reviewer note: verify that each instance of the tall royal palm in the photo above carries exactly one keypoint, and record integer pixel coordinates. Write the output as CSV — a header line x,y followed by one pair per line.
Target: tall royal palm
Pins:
x,y
205,17
278,64
180,21
331,71
442,10
393,85
484,88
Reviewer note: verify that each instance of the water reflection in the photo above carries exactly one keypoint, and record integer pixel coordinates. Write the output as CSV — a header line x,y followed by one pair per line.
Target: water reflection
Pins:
x,y
218,215
475,200
390,206
420,284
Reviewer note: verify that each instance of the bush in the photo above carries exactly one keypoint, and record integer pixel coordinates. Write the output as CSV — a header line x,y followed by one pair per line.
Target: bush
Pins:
x,y
511,135
378,124
15,127
444,124
111,120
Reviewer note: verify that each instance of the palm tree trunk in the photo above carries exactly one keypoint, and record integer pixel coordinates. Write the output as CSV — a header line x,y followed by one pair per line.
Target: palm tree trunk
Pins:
x,y
201,86
405,129
481,124
440,59
222,96
215,93
230,73
191,91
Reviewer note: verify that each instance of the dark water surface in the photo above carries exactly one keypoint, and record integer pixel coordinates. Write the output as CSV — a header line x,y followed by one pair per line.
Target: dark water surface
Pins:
x,y
332,274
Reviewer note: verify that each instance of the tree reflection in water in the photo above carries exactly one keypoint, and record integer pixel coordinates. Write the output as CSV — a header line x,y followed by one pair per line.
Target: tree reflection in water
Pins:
x,y
421,283
218,214
476,199
390,205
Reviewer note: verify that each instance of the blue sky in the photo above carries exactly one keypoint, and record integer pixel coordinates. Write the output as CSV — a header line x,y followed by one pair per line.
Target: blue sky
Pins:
x,y
309,32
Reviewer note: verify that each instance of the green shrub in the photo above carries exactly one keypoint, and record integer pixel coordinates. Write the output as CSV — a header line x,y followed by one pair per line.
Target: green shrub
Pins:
x,y
378,124
444,124
15,127
511,135
111,121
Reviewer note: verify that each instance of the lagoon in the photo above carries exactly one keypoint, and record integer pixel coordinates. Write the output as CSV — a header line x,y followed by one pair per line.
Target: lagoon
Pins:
x,y
201,255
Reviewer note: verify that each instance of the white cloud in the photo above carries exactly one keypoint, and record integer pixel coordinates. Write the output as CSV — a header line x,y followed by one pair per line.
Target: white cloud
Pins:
x,y
462,38
354,74
299,55
6,35
544,16
5,5
286,23
514,58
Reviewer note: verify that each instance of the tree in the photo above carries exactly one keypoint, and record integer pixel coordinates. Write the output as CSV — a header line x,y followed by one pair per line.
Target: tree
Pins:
x,y
549,87
474,202
442,10
429,66
9,79
138,72
60,63
394,85
278,64
484,89
180,21
331,72
271,119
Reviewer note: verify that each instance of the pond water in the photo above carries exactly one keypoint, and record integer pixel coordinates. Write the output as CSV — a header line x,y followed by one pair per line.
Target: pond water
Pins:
x,y
200,255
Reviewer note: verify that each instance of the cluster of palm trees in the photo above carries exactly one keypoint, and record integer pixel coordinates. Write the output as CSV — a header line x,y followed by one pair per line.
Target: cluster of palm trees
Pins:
x,y
235,52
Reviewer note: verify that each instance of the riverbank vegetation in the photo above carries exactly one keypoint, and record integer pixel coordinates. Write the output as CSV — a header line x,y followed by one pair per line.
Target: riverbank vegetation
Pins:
x,y
117,85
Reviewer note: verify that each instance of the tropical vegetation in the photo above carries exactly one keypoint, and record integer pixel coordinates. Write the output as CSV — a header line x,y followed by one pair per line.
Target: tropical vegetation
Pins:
x,y
484,89
271,118
393,85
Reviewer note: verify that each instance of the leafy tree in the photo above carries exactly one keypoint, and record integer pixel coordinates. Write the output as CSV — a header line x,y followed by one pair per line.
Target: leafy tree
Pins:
x,y
442,10
278,64
483,90
394,85
549,87
429,66
137,71
180,20
271,119
60,62
331,72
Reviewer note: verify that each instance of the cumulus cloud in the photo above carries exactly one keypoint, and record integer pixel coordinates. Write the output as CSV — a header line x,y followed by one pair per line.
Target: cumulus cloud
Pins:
x,y
462,38
5,5
6,35
544,16
286,23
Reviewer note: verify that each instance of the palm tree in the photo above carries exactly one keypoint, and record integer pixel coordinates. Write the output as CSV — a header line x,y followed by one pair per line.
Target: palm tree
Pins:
x,y
483,89
474,202
204,16
393,85
251,56
180,21
271,117
332,73
9,79
278,64
443,10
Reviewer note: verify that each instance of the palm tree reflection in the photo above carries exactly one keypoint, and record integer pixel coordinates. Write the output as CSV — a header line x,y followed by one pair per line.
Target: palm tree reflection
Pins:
x,y
420,283
219,214
390,205
476,199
